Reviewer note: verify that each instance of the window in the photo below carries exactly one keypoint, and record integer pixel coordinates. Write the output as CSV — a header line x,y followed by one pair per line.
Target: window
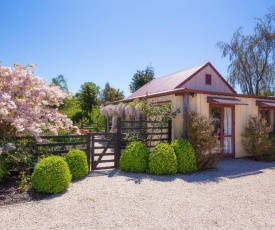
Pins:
x,y
208,79
268,114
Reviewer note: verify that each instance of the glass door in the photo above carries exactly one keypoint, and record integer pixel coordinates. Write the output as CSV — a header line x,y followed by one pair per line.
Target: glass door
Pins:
x,y
223,120
227,131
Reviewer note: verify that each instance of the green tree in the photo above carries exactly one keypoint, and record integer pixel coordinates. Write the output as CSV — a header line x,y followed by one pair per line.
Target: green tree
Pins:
x,y
110,94
140,78
70,106
97,119
61,82
88,96
252,57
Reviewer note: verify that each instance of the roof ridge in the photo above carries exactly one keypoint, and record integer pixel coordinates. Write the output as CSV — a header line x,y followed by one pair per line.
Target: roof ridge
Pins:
x,y
201,65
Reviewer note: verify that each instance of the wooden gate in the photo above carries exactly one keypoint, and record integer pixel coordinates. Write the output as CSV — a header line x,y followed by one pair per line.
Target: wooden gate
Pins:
x,y
105,150
106,147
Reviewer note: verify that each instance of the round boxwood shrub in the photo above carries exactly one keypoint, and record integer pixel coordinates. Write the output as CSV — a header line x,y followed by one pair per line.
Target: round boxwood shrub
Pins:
x,y
163,160
77,161
51,175
134,158
185,155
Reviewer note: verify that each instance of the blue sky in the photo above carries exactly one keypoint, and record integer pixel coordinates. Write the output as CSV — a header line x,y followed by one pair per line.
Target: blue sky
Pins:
x,y
109,40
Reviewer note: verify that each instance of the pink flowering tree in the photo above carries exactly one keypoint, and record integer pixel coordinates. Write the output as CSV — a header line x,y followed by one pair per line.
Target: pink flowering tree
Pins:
x,y
28,105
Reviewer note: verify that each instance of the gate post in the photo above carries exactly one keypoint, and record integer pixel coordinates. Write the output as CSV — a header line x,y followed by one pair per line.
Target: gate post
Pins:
x,y
88,150
118,142
169,131
93,152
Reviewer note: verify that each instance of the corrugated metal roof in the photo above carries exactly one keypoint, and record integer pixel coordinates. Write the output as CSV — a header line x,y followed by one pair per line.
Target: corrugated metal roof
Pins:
x,y
225,100
166,83
265,103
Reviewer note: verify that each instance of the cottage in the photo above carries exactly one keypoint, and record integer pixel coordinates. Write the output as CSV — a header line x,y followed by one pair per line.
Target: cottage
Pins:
x,y
203,90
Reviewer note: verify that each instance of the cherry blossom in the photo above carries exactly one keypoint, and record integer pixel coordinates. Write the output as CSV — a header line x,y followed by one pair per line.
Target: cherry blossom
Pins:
x,y
28,104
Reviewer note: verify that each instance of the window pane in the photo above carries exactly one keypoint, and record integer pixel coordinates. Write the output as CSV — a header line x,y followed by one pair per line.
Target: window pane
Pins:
x,y
264,114
227,145
227,121
216,113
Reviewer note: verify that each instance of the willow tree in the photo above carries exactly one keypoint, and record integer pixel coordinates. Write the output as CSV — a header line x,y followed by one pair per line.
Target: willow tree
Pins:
x,y
61,82
252,57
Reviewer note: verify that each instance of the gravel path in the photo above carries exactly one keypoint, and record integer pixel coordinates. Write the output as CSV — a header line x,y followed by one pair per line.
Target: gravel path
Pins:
x,y
239,194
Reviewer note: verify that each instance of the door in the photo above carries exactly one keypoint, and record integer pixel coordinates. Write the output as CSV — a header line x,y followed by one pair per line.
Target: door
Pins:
x,y
224,126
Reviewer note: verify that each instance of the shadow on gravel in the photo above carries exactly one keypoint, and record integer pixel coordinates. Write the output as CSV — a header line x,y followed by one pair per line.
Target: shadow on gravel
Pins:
x,y
227,168
230,168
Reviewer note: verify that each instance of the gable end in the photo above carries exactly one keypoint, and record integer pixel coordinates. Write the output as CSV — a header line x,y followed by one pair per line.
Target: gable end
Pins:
x,y
214,70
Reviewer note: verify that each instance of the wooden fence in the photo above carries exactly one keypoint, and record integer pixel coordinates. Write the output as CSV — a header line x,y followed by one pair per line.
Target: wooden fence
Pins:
x,y
103,149
60,145
148,132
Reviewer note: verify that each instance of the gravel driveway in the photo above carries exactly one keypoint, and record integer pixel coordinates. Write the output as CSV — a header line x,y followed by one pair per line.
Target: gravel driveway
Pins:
x,y
239,194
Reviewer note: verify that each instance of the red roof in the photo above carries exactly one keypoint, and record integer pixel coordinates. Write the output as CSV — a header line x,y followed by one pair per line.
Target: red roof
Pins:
x,y
171,82
165,83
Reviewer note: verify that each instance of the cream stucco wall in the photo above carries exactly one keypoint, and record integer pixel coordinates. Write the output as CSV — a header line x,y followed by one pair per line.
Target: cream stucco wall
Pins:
x,y
177,122
198,103
243,113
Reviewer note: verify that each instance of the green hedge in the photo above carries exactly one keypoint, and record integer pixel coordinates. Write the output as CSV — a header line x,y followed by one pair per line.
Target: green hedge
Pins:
x,y
51,175
134,158
77,161
186,156
163,160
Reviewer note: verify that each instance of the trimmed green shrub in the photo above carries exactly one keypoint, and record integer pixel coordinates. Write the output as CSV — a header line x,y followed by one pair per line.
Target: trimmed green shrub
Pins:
x,y
77,161
257,139
135,158
185,155
51,175
163,160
